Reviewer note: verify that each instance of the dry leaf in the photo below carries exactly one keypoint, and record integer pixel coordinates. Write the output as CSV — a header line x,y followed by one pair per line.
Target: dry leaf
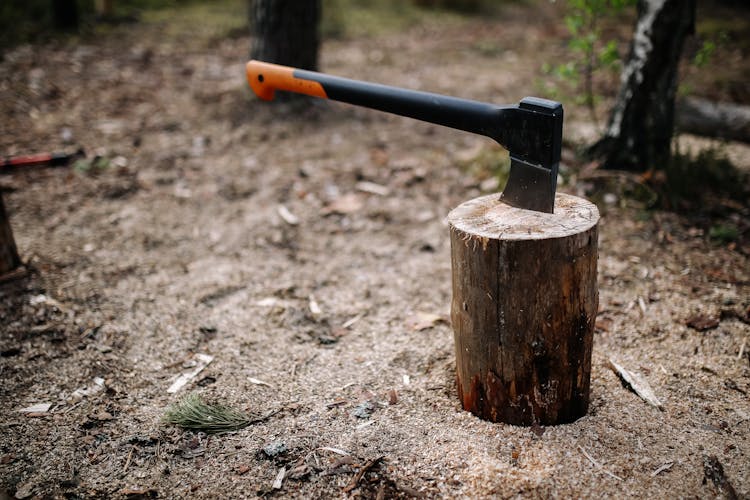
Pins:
x,y
702,323
392,397
346,204
288,216
373,188
424,320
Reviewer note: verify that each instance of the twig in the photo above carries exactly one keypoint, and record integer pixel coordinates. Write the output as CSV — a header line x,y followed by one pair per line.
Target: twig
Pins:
x,y
353,320
361,473
662,468
597,464
19,272
127,461
334,450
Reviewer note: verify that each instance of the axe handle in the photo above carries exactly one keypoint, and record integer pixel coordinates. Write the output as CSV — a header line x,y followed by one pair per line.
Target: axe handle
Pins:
x,y
54,159
463,114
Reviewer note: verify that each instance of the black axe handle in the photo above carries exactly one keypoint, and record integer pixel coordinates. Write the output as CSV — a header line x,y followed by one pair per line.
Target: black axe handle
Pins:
x,y
531,131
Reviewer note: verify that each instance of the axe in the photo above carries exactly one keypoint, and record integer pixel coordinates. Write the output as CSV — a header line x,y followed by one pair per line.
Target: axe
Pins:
x,y
531,131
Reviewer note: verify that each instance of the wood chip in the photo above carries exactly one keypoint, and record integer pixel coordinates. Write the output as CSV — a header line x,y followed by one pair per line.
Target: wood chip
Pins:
x,y
424,320
372,188
637,384
202,361
268,302
288,216
37,408
353,320
256,381
344,205
598,465
334,450
314,307
662,468
279,481
392,397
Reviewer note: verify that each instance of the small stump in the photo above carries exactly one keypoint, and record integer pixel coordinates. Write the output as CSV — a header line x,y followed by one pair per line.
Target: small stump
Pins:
x,y
524,304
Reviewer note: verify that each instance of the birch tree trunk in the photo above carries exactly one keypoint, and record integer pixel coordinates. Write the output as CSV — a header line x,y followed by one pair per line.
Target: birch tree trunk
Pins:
x,y
640,128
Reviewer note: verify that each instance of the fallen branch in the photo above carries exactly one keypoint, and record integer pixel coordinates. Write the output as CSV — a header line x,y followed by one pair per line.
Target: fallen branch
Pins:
x,y
713,119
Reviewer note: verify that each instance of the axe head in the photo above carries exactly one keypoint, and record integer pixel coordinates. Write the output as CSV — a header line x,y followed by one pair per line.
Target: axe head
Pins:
x,y
534,147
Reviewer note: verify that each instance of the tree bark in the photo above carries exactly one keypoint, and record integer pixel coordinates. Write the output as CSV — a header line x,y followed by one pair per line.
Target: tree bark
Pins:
x,y
639,132
9,259
65,14
714,119
524,303
286,32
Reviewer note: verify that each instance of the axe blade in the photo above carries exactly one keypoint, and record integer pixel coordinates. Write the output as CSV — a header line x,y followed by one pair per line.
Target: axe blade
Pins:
x,y
535,158
530,186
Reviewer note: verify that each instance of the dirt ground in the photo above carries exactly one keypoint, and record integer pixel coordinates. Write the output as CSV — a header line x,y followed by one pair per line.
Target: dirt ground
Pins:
x,y
181,247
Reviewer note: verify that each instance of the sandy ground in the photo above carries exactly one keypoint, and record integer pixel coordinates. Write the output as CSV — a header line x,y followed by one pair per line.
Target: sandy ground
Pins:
x,y
180,248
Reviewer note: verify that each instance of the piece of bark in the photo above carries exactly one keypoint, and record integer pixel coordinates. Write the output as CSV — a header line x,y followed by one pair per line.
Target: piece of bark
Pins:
x,y
524,304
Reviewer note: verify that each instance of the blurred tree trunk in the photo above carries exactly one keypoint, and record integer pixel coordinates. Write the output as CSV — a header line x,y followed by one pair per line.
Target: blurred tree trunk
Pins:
x,y
285,32
639,133
65,14
9,259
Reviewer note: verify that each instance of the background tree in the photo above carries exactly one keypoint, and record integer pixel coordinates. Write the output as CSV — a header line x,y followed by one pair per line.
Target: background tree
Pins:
x,y
65,14
286,32
639,132
9,259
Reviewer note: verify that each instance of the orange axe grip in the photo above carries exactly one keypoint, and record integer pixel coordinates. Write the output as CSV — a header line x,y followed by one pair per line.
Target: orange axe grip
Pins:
x,y
265,78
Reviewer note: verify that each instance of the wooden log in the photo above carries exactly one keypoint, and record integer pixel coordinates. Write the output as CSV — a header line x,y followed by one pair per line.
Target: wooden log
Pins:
x,y
524,303
713,119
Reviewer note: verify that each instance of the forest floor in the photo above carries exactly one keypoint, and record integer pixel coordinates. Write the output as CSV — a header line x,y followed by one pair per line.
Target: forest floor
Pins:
x,y
306,253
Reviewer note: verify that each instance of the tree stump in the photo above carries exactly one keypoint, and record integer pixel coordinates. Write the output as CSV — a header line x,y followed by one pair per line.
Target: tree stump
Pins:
x,y
524,303
9,259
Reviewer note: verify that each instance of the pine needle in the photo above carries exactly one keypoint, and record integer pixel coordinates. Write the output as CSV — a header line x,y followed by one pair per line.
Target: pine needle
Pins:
x,y
195,414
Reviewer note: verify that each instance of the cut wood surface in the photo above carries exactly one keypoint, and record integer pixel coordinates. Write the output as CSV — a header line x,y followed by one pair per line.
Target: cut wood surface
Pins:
x,y
524,304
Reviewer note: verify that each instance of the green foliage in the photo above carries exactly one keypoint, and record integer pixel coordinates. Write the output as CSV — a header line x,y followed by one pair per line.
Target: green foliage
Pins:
x,y
724,233
23,21
195,414
91,166
590,53
697,182
706,51
356,18
488,162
